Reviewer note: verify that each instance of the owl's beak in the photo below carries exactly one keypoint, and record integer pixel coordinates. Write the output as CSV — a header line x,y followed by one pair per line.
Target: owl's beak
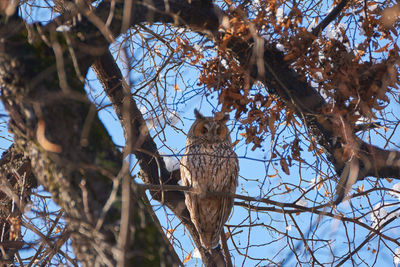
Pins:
x,y
212,137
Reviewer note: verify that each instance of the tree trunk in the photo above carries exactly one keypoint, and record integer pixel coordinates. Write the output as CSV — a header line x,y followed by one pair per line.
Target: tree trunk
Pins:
x,y
71,153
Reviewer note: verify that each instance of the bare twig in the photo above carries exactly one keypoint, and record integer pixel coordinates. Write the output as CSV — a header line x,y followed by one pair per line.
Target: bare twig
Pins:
x,y
225,248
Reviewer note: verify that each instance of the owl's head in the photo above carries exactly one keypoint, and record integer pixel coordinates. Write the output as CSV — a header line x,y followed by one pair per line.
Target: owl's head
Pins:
x,y
209,129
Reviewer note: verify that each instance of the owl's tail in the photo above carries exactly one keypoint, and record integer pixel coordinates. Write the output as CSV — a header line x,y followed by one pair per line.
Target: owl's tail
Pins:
x,y
210,240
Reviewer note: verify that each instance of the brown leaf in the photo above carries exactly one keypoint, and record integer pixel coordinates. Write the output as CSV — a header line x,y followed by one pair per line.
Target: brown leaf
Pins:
x,y
287,188
360,189
227,235
15,228
235,143
170,232
284,166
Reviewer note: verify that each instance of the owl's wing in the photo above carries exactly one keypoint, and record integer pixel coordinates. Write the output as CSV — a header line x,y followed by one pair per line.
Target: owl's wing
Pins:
x,y
185,173
207,215
226,207
227,204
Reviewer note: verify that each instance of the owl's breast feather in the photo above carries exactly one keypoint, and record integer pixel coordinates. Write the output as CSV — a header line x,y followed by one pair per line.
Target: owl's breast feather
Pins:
x,y
210,167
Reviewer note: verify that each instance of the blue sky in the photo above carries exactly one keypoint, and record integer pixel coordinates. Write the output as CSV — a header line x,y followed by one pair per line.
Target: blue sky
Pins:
x,y
260,177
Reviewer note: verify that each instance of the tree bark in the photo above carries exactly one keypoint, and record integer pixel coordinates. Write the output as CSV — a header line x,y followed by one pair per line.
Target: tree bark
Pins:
x,y
277,75
71,153
16,183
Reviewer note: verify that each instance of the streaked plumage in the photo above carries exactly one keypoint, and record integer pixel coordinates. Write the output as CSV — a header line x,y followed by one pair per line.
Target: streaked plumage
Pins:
x,y
209,165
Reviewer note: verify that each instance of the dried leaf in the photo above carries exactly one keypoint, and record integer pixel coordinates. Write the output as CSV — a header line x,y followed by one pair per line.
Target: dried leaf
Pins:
x,y
188,257
320,185
58,230
235,143
360,189
287,188
284,166
15,228
227,235
170,232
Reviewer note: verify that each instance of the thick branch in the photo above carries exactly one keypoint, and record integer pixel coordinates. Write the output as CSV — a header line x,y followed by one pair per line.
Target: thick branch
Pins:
x,y
298,95
276,75
72,155
16,183
331,16
180,12
144,148
280,78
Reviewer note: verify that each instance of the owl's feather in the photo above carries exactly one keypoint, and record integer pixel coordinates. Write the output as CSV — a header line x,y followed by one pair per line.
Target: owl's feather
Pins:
x,y
209,165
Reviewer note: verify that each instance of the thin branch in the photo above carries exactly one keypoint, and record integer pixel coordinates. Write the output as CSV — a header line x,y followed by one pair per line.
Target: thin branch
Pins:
x,y
366,240
151,163
304,241
331,16
225,248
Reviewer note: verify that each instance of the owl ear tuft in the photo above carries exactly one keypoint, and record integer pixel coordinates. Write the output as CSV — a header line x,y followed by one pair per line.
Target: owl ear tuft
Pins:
x,y
197,114
225,118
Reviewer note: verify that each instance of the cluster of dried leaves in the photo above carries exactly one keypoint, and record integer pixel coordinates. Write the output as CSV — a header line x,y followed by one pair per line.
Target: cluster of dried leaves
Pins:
x,y
347,64
354,64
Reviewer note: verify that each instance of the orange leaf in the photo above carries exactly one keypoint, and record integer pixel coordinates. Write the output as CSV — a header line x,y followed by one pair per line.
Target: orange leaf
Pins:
x,y
287,188
272,175
289,57
360,189
227,235
188,257
235,143
170,232
58,230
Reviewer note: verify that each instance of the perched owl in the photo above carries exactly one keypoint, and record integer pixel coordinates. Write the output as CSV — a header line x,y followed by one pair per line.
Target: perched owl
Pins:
x,y
209,165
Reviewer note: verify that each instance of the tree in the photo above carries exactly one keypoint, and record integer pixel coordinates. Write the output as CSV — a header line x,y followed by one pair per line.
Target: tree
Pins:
x,y
296,77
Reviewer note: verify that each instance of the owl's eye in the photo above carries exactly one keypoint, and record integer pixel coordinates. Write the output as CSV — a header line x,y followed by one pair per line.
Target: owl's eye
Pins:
x,y
204,130
221,131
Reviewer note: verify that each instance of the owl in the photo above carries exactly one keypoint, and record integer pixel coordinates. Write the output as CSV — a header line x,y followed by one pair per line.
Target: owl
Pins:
x,y
209,165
